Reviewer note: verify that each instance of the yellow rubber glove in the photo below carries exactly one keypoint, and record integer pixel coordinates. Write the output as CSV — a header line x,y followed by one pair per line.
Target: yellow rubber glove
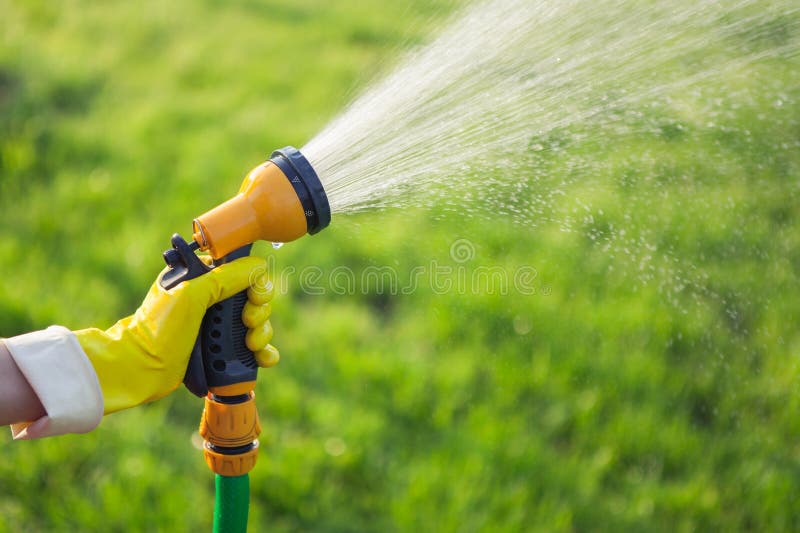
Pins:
x,y
143,357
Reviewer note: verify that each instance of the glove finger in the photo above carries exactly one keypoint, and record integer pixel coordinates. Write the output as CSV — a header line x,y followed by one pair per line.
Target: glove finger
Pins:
x,y
206,259
254,315
228,279
261,290
269,356
258,338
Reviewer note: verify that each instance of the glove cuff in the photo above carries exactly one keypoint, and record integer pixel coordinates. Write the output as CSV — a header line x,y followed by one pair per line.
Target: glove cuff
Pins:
x,y
60,374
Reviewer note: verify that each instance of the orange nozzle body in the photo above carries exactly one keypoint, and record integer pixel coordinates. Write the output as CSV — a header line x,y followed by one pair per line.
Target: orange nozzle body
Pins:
x,y
280,200
266,208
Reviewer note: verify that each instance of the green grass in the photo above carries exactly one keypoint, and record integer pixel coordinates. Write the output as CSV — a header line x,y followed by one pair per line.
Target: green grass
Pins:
x,y
606,400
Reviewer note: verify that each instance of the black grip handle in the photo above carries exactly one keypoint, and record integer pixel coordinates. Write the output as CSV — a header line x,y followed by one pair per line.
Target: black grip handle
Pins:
x,y
226,358
220,355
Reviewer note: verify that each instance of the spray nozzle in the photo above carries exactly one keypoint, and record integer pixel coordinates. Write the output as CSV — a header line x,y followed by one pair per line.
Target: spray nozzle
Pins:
x,y
280,200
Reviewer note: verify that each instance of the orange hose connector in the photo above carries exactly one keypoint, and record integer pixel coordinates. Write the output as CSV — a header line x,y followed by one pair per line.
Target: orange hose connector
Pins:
x,y
230,428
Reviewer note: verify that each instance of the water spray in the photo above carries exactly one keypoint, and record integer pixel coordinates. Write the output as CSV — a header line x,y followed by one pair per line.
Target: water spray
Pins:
x,y
280,201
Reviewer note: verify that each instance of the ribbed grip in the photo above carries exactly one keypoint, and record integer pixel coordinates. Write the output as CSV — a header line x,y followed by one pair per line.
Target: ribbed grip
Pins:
x,y
226,359
225,355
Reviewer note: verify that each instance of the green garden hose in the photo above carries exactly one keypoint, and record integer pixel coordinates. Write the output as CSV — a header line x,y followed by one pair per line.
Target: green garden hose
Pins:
x,y
232,504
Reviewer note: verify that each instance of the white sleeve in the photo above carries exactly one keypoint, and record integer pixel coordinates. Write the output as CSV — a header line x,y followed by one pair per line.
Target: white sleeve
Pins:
x,y
60,374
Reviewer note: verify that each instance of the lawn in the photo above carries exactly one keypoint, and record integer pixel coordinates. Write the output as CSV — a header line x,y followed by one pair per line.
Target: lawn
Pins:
x,y
592,393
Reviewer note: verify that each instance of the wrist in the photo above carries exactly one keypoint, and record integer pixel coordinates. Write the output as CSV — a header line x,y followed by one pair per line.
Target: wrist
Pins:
x,y
18,401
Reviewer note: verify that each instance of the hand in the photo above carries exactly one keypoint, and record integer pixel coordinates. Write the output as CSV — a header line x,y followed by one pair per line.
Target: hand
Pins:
x,y
143,357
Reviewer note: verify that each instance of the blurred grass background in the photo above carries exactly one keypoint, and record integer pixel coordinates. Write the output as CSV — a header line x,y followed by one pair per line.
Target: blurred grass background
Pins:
x,y
595,403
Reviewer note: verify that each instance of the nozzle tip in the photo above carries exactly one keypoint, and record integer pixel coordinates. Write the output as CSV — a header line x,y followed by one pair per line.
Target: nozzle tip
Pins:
x,y
307,185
